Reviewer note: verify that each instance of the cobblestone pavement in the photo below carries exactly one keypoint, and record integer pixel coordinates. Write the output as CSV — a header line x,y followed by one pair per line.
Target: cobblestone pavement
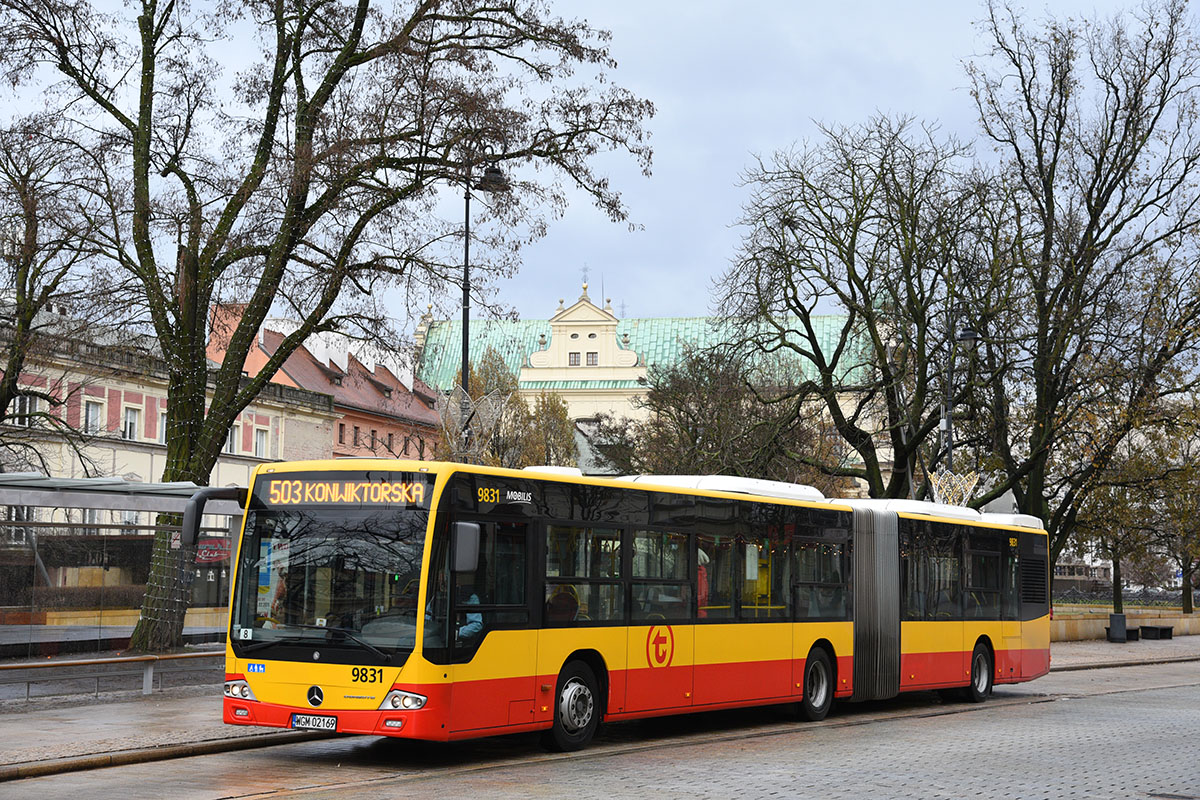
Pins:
x,y
1128,732
79,726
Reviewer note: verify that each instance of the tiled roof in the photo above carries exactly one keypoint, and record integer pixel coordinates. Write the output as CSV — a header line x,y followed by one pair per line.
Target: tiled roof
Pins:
x,y
379,392
657,340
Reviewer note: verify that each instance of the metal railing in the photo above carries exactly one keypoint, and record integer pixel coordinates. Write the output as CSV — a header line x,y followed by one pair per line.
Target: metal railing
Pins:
x,y
101,668
1104,597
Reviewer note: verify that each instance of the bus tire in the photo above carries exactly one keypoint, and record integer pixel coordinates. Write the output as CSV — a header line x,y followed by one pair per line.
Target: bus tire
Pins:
x,y
981,674
576,709
818,686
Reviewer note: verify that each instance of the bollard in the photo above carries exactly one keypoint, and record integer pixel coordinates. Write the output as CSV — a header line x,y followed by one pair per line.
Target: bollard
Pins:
x,y
148,678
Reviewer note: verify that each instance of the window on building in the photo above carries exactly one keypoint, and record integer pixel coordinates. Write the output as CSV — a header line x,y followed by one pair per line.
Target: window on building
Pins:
x,y
260,442
573,359
357,437
390,450
162,427
93,416
374,438
133,423
91,518
593,359
341,433
24,411
231,441
130,519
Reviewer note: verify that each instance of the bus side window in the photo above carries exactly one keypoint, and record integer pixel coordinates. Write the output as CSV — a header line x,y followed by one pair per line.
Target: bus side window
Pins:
x,y
714,595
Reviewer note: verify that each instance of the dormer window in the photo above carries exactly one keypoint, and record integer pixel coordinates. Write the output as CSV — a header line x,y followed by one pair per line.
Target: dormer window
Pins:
x,y
336,380
387,392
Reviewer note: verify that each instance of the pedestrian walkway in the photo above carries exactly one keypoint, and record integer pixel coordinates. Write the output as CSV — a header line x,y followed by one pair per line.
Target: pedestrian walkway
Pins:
x,y
46,737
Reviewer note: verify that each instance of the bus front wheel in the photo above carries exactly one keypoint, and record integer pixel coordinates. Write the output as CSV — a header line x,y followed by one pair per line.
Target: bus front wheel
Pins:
x,y
981,674
818,686
576,709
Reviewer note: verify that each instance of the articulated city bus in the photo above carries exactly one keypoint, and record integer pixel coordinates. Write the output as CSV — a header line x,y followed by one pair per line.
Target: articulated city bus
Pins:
x,y
446,601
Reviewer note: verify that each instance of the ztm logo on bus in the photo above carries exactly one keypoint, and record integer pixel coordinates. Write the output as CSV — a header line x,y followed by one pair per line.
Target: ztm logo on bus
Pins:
x,y
660,645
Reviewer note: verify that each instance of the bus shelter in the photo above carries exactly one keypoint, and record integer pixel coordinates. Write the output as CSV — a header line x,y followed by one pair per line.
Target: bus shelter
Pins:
x,y
75,554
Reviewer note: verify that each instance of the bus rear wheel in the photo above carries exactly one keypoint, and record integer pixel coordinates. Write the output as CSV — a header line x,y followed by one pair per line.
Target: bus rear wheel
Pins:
x,y
576,709
981,674
818,686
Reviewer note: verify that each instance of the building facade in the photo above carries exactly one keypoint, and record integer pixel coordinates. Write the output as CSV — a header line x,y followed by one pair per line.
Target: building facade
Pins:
x,y
115,399
583,352
381,408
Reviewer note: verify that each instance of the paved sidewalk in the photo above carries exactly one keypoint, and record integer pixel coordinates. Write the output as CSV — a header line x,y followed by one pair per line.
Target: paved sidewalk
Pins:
x,y
62,734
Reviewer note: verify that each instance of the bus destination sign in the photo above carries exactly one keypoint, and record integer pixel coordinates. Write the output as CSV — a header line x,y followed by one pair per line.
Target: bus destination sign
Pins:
x,y
325,491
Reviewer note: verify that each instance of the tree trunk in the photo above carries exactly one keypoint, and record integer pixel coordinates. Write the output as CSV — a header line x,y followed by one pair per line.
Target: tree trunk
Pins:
x,y
1187,591
1118,601
168,592
169,588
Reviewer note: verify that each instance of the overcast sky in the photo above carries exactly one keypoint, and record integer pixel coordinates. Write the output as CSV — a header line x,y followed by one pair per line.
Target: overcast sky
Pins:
x,y
730,80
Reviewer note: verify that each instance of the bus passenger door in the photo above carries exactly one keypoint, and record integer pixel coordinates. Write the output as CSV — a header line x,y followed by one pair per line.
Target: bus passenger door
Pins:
x,y
660,647
494,652
1008,660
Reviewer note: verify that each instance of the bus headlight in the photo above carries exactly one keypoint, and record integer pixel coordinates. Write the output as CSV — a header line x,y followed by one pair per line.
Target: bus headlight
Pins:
x,y
398,698
239,690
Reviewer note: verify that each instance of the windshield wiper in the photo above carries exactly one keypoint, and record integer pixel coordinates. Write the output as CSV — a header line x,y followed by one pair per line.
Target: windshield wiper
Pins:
x,y
349,633
252,646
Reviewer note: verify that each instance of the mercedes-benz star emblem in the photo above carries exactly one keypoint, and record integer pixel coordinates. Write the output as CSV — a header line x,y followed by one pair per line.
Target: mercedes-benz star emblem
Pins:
x,y
315,696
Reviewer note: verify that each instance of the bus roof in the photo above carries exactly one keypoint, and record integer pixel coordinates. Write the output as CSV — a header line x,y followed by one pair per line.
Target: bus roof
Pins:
x,y
926,509
730,483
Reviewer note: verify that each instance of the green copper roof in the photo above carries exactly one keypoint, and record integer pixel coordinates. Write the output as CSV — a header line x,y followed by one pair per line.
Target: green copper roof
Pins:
x,y
658,340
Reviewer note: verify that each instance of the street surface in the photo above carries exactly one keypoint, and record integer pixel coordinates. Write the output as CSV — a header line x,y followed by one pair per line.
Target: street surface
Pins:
x,y
1126,732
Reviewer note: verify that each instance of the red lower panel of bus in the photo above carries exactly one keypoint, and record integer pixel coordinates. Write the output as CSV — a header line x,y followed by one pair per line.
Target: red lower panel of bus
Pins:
x,y
481,708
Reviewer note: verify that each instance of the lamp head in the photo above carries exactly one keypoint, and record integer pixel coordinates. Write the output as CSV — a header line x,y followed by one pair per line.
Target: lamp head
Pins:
x,y
493,180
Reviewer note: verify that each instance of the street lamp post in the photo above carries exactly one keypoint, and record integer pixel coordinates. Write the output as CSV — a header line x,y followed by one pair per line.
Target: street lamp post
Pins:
x,y
493,181
970,337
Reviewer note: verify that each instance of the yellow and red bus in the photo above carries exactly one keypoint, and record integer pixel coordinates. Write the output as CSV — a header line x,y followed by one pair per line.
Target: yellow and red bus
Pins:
x,y
446,601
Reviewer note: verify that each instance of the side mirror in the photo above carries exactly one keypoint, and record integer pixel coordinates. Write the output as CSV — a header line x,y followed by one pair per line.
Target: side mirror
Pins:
x,y
193,512
464,537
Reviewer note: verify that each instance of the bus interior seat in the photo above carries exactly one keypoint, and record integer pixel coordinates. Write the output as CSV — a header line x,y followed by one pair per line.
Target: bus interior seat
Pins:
x,y
562,607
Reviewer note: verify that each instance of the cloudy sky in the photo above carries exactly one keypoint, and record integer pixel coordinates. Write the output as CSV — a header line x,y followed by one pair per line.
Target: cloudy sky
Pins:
x,y
731,80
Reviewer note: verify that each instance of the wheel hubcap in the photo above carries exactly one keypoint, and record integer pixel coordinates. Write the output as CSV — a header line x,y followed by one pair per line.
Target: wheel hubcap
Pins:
x,y
981,673
575,705
817,685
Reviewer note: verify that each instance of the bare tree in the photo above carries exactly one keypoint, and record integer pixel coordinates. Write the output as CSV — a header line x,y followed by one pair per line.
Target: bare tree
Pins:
x,y
852,262
502,429
718,413
1097,124
47,295
307,185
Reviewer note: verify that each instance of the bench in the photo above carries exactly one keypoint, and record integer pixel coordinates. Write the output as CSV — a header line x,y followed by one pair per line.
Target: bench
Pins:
x,y
1157,631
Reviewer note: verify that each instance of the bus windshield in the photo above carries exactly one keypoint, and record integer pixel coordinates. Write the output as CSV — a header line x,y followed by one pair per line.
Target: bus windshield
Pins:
x,y
331,569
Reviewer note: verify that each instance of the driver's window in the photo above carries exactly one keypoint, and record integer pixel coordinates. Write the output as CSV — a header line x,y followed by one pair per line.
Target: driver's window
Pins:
x,y
494,595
